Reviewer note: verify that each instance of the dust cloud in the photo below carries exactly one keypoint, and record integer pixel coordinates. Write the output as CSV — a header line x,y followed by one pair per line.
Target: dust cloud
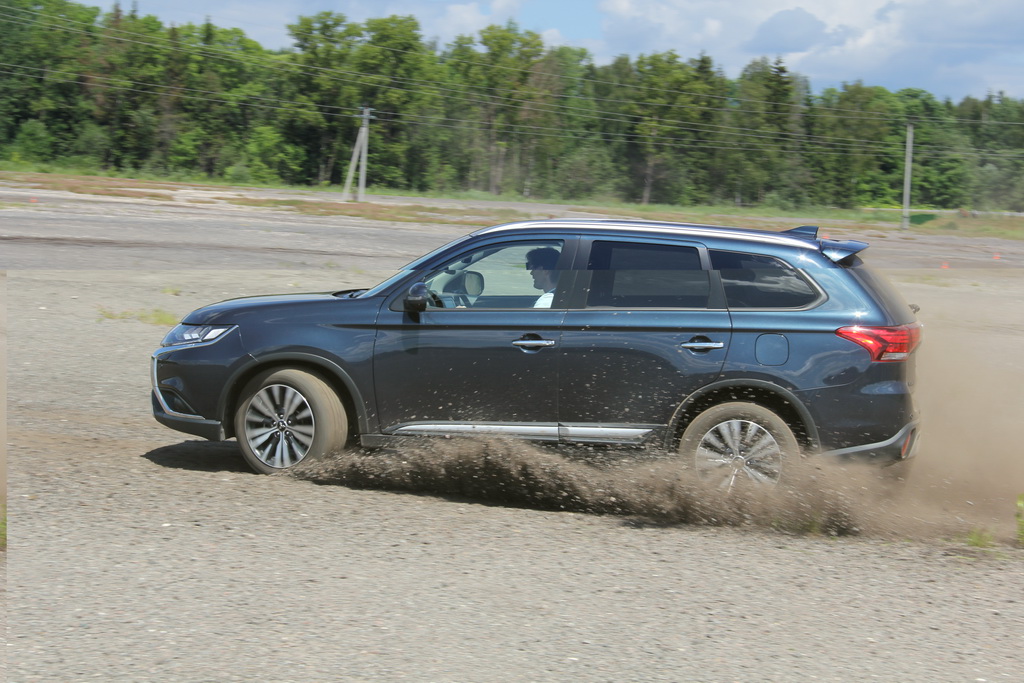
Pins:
x,y
966,478
650,487
939,497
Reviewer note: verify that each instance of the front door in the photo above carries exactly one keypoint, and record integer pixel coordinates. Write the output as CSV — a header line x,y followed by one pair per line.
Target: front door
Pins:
x,y
483,357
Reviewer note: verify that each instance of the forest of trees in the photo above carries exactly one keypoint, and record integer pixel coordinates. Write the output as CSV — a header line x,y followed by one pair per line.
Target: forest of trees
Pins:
x,y
499,112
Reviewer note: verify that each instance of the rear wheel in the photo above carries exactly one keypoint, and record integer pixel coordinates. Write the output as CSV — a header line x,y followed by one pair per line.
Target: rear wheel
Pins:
x,y
734,442
286,417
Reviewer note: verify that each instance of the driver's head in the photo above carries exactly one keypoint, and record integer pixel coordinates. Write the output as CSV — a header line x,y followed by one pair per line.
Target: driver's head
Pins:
x,y
541,263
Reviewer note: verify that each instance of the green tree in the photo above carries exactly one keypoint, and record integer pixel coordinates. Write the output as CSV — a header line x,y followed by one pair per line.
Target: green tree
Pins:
x,y
941,172
664,113
396,65
33,142
770,101
322,82
46,40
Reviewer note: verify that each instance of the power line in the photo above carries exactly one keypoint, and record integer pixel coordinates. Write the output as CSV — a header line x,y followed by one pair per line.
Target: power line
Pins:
x,y
532,105
175,89
419,119
201,95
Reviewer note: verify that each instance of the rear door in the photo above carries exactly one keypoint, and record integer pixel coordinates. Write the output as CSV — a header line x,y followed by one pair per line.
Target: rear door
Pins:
x,y
645,329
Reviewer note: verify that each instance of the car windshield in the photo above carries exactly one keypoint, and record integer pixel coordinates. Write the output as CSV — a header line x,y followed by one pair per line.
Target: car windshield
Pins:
x,y
418,264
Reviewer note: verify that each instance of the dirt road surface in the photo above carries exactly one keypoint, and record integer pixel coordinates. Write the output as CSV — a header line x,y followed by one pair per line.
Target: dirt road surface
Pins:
x,y
138,554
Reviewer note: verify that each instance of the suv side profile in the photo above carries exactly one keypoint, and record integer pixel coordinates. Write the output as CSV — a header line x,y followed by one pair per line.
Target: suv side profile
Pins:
x,y
734,348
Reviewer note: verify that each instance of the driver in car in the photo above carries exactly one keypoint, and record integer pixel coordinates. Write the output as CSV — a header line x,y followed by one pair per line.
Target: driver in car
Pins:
x,y
541,264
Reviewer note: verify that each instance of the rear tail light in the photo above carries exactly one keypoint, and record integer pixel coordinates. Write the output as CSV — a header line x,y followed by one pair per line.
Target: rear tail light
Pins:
x,y
885,344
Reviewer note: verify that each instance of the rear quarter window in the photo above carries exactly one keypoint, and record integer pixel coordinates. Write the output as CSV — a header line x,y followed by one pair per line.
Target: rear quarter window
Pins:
x,y
758,281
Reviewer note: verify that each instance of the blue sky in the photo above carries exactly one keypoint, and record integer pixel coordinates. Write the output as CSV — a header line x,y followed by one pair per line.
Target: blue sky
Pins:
x,y
952,48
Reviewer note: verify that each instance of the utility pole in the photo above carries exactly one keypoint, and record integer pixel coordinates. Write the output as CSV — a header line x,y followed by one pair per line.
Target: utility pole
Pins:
x,y
908,162
359,152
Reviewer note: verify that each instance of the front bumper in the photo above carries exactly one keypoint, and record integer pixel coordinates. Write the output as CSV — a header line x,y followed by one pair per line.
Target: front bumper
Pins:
x,y
187,382
212,430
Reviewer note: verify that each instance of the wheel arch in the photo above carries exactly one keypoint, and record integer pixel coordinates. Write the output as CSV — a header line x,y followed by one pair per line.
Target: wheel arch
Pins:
x,y
332,373
776,398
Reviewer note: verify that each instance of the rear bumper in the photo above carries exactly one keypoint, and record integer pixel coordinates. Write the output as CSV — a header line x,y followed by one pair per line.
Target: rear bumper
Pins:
x,y
902,446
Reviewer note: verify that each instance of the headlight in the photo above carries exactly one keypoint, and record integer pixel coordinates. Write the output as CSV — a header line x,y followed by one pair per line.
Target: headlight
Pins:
x,y
195,334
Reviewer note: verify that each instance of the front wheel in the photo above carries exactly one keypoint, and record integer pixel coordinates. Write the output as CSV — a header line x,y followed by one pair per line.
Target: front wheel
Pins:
x,y
732,442
287,416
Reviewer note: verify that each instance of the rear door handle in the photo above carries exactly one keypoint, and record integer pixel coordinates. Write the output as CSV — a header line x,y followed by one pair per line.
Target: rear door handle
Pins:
x,y
706,345
533,343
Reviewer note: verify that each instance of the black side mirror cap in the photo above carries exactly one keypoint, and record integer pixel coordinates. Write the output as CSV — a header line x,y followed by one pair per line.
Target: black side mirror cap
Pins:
x,y
416,300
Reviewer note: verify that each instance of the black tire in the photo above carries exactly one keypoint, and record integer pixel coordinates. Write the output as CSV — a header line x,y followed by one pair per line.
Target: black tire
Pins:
x,y
288,416
738,441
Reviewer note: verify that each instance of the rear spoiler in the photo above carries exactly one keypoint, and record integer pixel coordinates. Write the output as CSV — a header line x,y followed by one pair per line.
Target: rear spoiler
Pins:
x,y
834,250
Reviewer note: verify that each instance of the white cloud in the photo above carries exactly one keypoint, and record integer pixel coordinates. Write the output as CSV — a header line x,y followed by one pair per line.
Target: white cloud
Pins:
x,y
787,31
553,37
948,47
506,8
463,19
712,28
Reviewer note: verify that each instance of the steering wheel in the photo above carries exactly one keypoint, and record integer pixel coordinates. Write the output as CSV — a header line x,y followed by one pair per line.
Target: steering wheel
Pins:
x,y
435,300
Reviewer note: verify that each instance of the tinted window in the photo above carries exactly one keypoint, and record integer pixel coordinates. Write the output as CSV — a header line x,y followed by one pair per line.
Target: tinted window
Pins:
x,y
637,275
756,281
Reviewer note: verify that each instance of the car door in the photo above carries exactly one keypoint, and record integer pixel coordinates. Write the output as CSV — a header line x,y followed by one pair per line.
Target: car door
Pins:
x,y
645,329
481,358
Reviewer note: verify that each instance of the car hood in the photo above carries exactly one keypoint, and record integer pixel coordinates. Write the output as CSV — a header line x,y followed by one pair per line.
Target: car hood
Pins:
x,y
266,308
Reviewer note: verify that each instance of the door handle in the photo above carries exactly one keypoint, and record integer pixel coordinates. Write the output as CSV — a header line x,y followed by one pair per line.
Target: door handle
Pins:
x,y
707,345
533,343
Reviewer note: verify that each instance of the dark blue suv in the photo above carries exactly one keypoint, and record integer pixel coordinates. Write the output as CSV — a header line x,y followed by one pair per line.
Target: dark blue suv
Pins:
x,y
735,348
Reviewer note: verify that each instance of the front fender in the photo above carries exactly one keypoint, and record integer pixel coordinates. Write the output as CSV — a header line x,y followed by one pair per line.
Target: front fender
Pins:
x,y
338,375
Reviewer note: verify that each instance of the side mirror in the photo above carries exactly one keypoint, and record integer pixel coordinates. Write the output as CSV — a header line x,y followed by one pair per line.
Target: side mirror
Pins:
x,y
474,283
416,299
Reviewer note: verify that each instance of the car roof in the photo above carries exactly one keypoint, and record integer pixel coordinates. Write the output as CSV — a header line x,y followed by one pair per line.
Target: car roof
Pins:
x,y
804,239
801,237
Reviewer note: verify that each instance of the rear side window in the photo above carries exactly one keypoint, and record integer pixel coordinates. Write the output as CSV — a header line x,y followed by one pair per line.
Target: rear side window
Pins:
x,y
639,275
758,281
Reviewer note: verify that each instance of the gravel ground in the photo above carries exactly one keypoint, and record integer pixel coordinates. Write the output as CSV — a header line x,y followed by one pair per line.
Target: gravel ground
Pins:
x,y
137,554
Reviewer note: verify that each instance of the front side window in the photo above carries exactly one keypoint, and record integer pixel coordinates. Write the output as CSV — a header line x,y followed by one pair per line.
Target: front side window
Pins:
x,y
758,281
509,275
642,275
